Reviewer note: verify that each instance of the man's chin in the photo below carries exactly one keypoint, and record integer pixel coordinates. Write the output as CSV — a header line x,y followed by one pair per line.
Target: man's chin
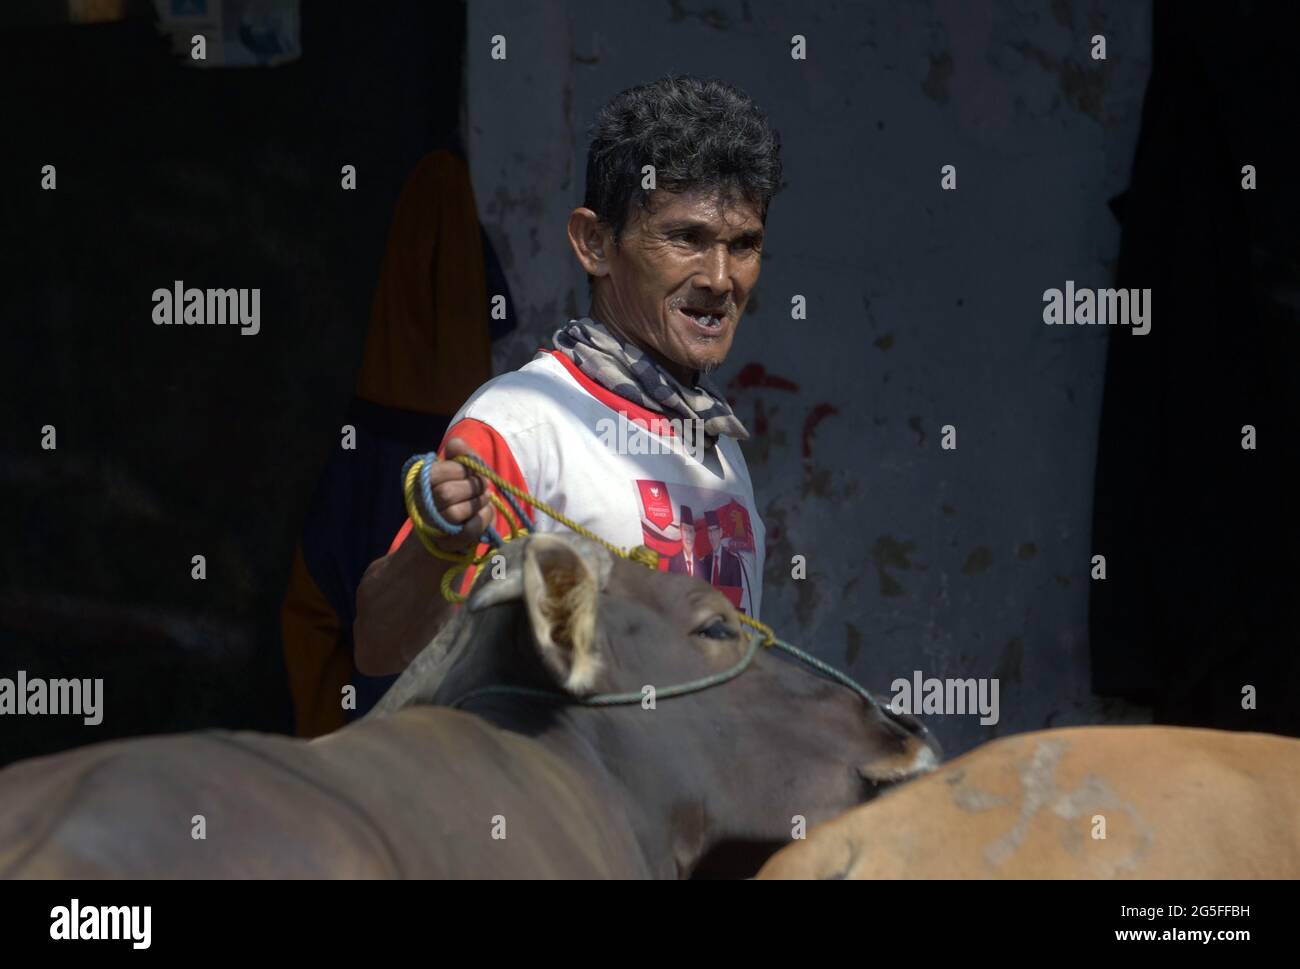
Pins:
x,y
704,360
706,363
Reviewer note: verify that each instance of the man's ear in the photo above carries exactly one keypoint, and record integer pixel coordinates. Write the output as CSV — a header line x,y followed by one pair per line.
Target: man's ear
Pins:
x,y
561,595
590,240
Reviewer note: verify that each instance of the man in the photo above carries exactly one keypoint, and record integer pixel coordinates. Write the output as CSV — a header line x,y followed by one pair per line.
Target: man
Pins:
x,y
721,566
671,270
684,561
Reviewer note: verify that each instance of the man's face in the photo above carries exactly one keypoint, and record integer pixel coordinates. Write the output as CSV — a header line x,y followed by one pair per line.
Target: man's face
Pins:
x,y
688,536
715,536
680,277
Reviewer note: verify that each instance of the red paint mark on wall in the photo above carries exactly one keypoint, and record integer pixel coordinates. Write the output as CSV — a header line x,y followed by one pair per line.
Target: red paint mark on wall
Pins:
x,y
815,416
756,375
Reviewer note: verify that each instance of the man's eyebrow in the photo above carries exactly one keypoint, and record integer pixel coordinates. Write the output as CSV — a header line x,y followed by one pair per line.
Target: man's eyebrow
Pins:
x,y
677,225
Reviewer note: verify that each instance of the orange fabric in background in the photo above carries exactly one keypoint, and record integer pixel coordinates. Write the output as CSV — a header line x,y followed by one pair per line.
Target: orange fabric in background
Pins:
x,y
428,349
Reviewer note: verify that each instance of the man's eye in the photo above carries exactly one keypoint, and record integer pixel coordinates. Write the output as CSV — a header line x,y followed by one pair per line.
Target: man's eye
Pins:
x,y
717,629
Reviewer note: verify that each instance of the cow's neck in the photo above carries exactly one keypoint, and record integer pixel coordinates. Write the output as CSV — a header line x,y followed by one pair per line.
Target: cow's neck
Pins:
x,y
671,802
633,782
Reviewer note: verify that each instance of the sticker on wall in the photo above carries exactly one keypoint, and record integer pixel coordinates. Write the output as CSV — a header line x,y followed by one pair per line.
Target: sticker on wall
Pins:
x,y
232,33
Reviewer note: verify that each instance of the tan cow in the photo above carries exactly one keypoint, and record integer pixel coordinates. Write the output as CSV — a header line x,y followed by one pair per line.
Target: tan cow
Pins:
x,y
1172,802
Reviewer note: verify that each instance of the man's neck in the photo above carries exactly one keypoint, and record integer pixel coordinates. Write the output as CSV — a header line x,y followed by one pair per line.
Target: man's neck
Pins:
x,y
684,375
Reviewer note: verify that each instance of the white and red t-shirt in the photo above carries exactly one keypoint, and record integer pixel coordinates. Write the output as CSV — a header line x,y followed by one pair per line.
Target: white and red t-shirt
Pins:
x,y
618,469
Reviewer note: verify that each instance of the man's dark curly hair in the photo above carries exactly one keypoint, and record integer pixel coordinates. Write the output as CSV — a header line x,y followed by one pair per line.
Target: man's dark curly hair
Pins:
x,y
697,134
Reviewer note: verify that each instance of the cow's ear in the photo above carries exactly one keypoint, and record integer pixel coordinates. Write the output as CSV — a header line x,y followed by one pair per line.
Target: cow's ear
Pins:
x,y
561,594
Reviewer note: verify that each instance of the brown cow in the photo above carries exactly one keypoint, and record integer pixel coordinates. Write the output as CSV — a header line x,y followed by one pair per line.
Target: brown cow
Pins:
x,y
510,785
1172,802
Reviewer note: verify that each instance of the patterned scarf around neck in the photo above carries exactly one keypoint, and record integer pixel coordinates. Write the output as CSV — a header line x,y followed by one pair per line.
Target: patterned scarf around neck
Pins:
x,y
625,369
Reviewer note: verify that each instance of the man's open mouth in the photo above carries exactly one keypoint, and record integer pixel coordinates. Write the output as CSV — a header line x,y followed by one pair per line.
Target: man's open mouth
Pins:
x,y
709,322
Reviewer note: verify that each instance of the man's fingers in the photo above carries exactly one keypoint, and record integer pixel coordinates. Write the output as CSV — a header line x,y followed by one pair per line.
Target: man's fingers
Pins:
x,y
457,447
449,478
461,496
444,471
463,511
473,531
480,522
452,493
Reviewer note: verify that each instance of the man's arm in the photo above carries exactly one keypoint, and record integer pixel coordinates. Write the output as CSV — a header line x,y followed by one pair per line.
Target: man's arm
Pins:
x,y
400,606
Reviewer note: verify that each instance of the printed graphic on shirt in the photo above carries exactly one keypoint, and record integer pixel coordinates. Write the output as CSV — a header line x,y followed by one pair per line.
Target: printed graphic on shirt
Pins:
x,y
703,532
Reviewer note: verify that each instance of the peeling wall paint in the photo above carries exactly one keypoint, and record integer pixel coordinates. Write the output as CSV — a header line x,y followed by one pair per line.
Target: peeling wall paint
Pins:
x,y
924,306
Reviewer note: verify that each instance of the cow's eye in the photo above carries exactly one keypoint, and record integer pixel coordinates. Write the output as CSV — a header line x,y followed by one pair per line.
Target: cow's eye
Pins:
x,y
716,628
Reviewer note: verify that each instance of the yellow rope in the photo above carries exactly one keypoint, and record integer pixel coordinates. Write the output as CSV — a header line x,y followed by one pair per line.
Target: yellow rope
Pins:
x,y
641,554
427,533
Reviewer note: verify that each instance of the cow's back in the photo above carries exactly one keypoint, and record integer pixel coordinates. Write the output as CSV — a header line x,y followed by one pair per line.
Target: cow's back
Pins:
x,y
1172,803
200,805
425,793
479,801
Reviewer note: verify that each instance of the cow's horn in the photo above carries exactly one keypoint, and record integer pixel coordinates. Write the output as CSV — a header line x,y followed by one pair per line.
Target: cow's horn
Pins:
x,y
509,587
489,591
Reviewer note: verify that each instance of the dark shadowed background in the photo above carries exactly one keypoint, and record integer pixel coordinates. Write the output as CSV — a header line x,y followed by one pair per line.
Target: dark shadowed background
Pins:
x,y
170,446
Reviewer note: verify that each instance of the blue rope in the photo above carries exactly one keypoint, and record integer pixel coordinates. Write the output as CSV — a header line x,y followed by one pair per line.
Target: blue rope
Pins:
x,y
828,670
680,689
621,699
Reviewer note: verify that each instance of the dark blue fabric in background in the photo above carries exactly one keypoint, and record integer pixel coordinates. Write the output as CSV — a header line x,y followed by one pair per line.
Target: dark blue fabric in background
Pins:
x,y
357,507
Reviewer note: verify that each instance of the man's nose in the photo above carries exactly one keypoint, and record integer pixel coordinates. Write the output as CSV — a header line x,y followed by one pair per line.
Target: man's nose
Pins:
x,y
716,272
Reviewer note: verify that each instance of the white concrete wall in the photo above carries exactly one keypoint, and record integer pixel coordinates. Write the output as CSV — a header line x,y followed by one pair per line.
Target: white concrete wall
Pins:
x,y
924,306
